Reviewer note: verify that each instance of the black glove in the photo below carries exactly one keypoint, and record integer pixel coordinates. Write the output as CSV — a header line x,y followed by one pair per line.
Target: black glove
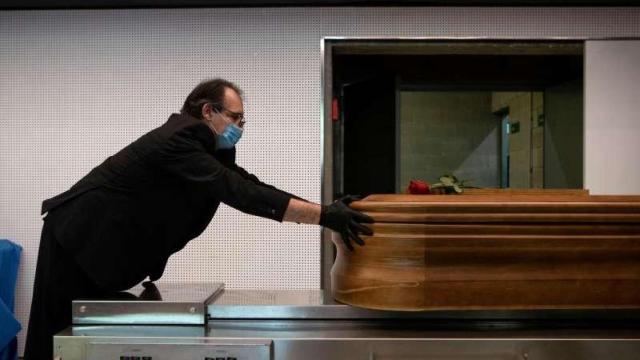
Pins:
x,y
342,219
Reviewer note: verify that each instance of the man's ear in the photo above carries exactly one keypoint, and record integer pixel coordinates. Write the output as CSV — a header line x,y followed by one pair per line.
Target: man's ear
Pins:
x,y
206,109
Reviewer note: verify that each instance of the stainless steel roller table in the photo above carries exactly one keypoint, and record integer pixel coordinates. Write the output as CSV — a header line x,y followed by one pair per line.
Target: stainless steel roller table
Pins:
x,y
204,321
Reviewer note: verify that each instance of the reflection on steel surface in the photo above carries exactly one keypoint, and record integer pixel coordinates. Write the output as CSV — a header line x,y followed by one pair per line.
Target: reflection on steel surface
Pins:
x,y
166,304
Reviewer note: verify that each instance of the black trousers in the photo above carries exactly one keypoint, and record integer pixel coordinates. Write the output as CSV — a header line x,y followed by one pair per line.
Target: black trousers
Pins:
x,y
59,280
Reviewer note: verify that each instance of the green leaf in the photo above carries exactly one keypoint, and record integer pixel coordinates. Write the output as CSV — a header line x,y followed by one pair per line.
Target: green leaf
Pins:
x,y
446,180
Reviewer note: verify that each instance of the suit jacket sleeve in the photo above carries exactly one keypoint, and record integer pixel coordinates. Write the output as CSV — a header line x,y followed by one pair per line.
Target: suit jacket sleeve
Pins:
x,y
245,174
184,157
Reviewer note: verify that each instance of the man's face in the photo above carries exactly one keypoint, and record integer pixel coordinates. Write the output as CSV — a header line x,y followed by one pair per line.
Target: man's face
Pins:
x,y
233,102
232,112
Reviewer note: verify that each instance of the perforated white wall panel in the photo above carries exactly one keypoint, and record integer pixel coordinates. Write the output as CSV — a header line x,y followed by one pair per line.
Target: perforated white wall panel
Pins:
x,y
612,125
76,86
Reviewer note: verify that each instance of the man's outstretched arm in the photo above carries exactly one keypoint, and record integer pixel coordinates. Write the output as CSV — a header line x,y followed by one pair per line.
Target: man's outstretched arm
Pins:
x,y
338,217
302,212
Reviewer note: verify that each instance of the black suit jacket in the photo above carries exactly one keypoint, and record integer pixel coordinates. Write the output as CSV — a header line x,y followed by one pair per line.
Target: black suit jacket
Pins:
x,y
125,218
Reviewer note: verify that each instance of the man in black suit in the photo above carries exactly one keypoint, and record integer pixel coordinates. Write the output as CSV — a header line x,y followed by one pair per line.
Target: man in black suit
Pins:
x,y
123,220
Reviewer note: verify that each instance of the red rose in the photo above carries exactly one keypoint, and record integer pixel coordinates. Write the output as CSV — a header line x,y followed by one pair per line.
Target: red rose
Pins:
x,y
418,187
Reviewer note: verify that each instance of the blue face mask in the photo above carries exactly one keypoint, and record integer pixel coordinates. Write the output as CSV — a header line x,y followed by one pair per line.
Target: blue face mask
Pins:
x,y
229,137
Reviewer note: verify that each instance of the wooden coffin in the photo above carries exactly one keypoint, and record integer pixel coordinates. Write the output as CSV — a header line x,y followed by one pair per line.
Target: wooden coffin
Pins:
x,y
494,250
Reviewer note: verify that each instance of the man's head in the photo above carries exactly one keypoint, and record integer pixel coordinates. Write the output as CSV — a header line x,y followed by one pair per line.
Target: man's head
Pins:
x,y
218,102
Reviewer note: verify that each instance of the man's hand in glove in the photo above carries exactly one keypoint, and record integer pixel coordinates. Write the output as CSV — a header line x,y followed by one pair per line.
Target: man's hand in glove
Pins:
x,y
347,222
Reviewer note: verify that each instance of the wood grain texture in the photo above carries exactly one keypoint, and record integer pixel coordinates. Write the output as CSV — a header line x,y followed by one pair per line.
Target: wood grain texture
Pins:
x,y
503,250
489,191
